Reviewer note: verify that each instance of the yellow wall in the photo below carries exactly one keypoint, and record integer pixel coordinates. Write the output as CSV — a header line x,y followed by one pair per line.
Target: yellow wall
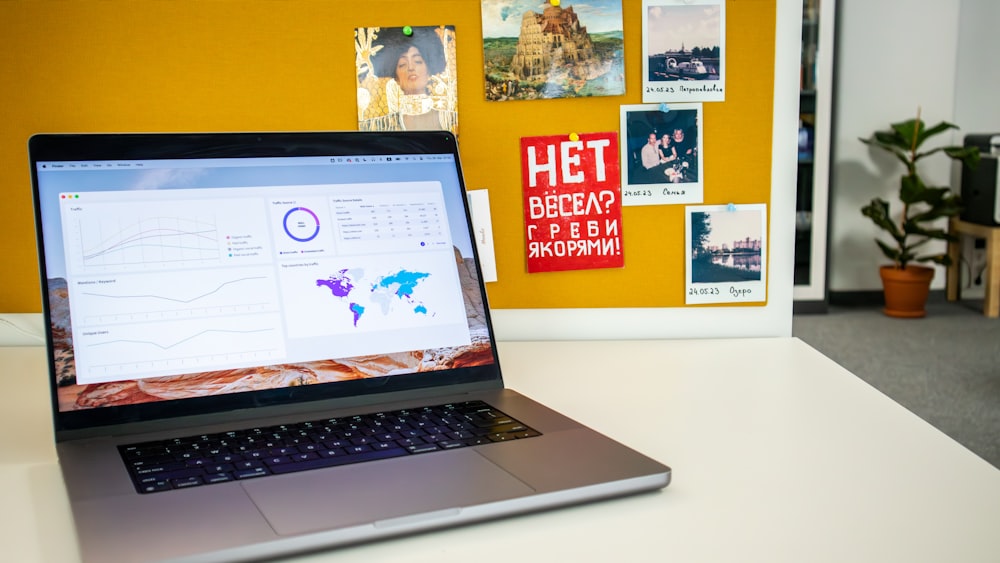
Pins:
x,y
246,65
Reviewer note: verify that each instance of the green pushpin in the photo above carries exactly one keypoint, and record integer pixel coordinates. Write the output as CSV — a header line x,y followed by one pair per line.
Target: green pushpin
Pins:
x,y
407,30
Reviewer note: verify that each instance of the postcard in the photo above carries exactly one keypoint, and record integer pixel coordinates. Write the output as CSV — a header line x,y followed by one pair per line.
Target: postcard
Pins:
x,y
572,202
406,78
535,49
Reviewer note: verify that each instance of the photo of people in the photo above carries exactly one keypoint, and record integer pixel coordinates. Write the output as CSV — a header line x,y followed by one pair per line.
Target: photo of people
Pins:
x,y
683,51
661,156
536,49
406,78
726,253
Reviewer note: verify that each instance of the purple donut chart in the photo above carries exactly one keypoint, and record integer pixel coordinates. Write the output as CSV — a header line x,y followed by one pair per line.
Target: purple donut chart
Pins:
x,y
301,224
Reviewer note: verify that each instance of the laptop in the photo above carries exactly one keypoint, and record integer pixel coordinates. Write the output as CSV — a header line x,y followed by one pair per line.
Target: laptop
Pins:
x,y
263,344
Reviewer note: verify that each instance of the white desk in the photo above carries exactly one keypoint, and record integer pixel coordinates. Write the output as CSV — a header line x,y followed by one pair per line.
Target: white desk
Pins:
x,y
778,454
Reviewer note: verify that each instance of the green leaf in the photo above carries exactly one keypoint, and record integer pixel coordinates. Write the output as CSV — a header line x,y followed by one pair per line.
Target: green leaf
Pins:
x,y
906,131
968,155
911,189
890,252
878,211
912,228
912,248
887,144
921,155
930,195
941,202
891,139
935,130
935,213
942,259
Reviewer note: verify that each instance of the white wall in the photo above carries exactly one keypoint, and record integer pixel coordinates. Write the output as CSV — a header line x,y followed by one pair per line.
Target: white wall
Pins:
x,y
977,76
892,56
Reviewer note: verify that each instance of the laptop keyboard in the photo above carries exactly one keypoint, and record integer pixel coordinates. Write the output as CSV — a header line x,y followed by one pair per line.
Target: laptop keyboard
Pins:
x,y
206,459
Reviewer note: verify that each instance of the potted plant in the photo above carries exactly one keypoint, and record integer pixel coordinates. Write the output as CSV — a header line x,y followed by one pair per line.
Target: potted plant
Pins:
x,y
906,284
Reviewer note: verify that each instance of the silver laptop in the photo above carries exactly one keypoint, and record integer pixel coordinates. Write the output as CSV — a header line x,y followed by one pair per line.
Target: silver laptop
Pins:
x,y
266,344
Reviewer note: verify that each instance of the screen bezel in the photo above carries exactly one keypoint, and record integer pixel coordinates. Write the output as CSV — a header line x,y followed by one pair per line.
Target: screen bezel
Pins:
x,y
153,146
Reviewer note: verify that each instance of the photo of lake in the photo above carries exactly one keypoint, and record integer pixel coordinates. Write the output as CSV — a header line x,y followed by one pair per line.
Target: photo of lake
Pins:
x,y
726,246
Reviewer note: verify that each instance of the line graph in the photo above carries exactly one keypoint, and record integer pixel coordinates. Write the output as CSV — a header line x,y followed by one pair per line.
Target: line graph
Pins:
x,y
138,350
170,296
153,240
182,340
154,230
176,300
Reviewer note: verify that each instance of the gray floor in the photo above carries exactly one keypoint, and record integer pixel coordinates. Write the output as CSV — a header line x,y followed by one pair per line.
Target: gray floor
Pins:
x,y
945,367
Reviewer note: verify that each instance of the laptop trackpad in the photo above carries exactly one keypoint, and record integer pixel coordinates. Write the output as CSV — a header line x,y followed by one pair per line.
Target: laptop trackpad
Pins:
x,y
368,492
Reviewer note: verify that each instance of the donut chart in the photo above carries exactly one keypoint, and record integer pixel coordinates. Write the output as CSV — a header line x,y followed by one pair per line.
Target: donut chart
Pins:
x,y
301,224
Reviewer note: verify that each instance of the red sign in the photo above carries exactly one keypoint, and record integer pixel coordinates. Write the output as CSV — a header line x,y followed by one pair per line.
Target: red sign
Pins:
x,y
572,202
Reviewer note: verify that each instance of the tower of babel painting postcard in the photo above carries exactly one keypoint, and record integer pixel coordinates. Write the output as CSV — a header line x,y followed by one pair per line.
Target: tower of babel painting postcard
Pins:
x,y
554,53
553,38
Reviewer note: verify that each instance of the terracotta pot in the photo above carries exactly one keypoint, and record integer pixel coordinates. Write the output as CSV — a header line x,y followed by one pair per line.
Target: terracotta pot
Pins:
x,y
906,290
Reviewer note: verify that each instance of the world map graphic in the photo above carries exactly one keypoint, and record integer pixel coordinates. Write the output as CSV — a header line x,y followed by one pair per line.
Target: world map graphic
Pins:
x,y
385,293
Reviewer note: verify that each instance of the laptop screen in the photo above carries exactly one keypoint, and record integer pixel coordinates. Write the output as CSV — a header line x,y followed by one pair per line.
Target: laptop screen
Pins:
x,y
180,271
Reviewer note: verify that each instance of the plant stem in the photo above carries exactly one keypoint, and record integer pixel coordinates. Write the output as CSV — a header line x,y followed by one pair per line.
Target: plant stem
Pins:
x,y
911,169
916,131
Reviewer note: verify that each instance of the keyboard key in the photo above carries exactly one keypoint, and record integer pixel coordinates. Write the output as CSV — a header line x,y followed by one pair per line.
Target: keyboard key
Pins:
x,y
155,487
339,460
249,464
219,468
250,473
186,482
422,448
160,468
451,444
217,478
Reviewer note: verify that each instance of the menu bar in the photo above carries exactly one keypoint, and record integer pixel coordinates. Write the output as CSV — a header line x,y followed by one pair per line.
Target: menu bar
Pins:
x,y
241,162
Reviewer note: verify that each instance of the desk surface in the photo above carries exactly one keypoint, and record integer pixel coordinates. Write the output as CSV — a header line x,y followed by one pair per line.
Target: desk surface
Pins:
x,y
778,454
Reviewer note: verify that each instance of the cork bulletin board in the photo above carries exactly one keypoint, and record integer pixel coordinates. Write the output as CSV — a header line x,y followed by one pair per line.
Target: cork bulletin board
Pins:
x,y
261,65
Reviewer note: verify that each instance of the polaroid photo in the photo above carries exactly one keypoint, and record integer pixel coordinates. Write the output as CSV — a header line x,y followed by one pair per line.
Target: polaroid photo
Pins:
x,y
684,51
406,78
535,49
726,249
661,155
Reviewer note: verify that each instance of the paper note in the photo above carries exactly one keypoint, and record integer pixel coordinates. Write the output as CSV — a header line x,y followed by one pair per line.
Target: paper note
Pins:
x,y
482,226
